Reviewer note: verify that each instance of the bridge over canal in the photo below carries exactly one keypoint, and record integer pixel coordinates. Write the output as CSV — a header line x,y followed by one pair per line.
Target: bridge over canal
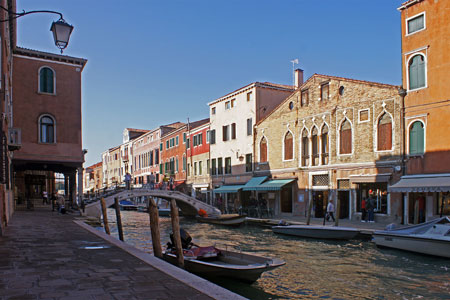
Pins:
x,y
187,204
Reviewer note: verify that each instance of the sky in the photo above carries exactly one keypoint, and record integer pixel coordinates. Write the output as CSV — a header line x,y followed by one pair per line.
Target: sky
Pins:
x,y
156,62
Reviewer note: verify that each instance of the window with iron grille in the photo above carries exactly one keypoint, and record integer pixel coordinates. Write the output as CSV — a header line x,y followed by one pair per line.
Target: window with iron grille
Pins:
x,y
343,184
320,180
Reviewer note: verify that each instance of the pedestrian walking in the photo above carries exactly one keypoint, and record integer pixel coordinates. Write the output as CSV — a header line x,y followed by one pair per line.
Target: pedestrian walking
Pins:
x,y
370,205
128,180
363,210
171,183
44,197
330,210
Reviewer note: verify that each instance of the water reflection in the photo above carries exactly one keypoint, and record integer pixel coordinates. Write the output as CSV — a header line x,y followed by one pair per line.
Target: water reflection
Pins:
x,y
314,268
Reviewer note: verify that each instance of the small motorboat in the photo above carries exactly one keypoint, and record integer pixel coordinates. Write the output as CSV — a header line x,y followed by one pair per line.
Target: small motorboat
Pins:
x,y
317,232
431,238
226,219
127,205
212,262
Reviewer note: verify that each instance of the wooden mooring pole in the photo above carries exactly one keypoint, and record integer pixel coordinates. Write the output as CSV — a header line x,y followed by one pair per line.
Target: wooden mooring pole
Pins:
x,y
338,211
176,233
308,215
154,227
119,219
105,215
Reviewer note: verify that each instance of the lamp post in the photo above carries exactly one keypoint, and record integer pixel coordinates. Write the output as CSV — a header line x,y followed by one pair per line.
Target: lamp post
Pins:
x,y
61,29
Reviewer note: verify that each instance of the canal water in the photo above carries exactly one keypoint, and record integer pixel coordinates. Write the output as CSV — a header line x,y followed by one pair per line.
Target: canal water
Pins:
x,y
314,269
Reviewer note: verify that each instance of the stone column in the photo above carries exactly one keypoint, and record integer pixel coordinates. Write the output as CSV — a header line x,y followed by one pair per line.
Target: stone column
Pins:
x,y
80,184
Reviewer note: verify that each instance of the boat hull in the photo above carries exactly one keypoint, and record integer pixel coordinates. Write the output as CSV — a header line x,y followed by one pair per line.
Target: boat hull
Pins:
x,y
317,232
234,265
230,220
427,246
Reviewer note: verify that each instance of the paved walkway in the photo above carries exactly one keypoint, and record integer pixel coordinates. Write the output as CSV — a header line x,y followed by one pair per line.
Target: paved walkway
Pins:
x,y
46,255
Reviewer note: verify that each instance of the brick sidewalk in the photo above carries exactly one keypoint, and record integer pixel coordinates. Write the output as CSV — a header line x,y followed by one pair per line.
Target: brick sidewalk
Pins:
x,y
45,255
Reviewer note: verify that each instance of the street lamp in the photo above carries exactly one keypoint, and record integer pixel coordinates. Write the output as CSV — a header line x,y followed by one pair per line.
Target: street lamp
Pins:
x,y
61,29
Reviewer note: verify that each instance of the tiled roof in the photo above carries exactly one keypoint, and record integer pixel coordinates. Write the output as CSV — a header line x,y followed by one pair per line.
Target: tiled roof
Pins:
x,y
95,165
50,56
198,123
408,3
137,130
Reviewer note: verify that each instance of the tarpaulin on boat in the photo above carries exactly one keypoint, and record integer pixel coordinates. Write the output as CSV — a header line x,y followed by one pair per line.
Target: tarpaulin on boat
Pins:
x,y
422,184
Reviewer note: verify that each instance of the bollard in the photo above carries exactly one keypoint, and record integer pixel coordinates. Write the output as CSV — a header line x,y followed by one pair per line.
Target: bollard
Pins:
x,y
154,227
105,215
119,219
176,232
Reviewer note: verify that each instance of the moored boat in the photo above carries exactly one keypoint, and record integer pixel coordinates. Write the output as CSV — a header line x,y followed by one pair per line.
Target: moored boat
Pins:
x,y
431,238
227,219
214,262
127,205
318,232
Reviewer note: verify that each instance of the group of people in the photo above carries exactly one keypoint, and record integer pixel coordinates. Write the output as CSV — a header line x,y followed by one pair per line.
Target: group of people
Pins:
x,y
57,201
367,208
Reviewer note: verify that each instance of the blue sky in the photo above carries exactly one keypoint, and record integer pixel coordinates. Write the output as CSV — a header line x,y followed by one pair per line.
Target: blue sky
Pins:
x,y
156,62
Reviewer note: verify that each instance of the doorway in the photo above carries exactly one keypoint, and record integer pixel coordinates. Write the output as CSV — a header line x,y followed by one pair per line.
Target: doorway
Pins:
x,y
286,199
343,198
320,201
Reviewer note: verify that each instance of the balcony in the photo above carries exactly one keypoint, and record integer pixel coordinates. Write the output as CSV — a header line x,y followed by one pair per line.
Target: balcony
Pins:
x,y
124,157
14,139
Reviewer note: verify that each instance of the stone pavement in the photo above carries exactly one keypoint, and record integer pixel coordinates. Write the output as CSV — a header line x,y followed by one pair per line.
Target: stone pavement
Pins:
x,y
46,255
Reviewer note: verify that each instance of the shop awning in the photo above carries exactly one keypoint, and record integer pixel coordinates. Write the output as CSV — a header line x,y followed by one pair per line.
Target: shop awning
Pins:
x,y
421,184
253,183
368,178
225,189
273,185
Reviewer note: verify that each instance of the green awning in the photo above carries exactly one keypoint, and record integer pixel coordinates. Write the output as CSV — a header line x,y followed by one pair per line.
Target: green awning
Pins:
x,y
273,185
253,183
224,189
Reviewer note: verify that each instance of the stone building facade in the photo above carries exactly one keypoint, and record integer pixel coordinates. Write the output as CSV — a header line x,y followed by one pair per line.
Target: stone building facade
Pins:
x,y
338,138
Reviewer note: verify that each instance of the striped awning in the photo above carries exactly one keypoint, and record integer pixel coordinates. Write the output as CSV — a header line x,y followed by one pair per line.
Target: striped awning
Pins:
x,y
225,189
253,183
421,184
273,185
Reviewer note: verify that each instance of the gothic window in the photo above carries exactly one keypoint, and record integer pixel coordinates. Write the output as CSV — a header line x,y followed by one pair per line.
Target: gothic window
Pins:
x,y
305,148
384,129
263,150
345,146
315,148
288,146
324,140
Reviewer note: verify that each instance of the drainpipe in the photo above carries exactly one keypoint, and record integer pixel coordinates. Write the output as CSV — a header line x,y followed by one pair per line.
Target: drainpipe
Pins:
x,y
402,93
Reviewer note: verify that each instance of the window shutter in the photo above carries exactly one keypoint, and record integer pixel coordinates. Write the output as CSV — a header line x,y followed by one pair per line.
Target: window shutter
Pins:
x,y
346,141
224,133
212,139
233,131
263,151
288,146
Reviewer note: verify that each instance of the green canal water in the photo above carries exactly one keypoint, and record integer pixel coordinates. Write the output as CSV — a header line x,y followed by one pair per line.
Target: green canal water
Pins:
x,y
314,269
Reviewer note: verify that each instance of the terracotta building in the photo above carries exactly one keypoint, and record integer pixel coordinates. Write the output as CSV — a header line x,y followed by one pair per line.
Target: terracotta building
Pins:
x,y
197,158
425,185
334,138
47,111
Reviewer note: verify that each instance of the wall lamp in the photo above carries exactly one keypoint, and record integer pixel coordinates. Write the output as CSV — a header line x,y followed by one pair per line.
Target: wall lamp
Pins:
x,y
61,29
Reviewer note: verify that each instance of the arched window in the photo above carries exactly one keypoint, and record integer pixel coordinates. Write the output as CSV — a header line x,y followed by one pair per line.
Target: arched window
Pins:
x,y
263,150
345,146
384,130
47,130
288,146
315,146
324,139
46,80
416,138
305,148
416,70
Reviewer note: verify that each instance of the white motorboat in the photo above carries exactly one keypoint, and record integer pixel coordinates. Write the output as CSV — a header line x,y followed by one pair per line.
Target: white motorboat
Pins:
x,y
431,238
317,232
214,262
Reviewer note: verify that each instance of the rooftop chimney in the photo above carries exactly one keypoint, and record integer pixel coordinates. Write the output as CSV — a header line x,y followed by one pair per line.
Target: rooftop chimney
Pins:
x,y
298,77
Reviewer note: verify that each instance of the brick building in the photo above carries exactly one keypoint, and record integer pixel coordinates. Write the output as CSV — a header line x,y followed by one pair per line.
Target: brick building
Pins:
x,y
425,185
47,110
334,138
172,150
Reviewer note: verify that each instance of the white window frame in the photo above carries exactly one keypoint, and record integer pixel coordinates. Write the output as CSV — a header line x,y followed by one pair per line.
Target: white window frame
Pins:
x,y
300,150
413,17
293,145
412,121
267,150
375,138
39,129
338,134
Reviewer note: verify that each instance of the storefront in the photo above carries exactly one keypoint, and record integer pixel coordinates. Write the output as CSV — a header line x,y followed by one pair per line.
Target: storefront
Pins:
x,y
425,197
227,198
